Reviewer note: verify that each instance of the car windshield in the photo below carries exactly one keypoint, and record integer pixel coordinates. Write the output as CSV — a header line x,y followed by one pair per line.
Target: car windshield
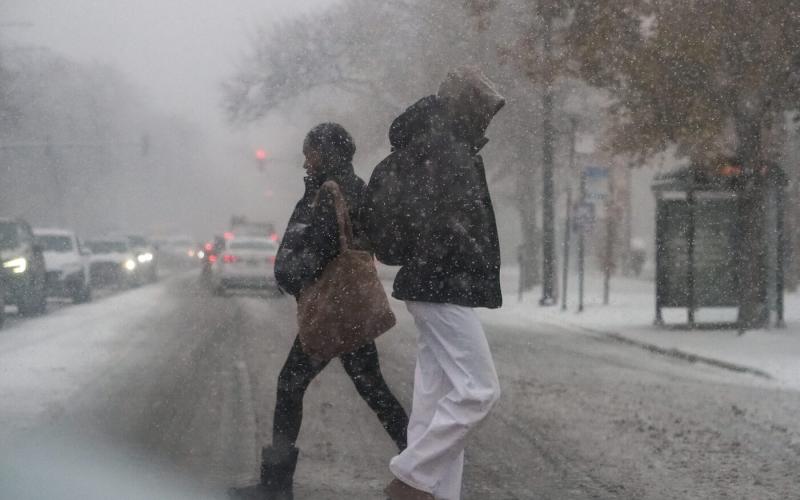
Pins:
x,y
107,246
252,245
56,243
8,235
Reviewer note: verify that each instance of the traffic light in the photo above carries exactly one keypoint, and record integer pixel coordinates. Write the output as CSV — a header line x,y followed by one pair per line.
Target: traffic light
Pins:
x,y
261,158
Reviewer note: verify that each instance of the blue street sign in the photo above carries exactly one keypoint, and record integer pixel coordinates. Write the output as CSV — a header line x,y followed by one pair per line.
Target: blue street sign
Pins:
x,y
595,172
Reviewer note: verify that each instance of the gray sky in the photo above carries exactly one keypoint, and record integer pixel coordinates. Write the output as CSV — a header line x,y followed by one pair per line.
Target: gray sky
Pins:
x,y
178,50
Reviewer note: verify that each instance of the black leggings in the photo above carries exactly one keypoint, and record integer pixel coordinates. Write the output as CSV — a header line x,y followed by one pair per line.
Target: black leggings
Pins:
x,y
364,369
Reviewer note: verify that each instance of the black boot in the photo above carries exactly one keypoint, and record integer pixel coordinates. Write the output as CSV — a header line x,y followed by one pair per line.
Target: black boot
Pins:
x,y
277,476
277,471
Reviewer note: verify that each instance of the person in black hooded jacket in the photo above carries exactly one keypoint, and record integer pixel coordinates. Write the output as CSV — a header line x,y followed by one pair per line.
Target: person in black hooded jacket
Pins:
x,y
450,258
310,242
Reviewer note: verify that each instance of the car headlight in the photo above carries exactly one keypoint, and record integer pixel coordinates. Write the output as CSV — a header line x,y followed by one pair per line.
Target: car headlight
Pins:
x,y
17,266
130,264
144,257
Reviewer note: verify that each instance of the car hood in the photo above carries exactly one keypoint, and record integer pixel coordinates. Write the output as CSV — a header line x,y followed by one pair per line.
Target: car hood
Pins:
x,y
59,261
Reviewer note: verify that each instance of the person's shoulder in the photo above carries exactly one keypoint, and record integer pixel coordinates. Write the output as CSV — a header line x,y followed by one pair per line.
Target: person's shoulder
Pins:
x,y
357,185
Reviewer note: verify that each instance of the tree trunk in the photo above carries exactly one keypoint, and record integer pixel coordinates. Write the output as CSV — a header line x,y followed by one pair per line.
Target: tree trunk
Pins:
x,y
548,188
753,307
792,209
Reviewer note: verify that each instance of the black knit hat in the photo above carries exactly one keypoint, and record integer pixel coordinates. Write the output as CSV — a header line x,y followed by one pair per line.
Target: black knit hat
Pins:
x,y
332,141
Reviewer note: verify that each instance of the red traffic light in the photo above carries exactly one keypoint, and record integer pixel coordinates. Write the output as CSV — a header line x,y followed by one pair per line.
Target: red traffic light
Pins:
x,y
261,154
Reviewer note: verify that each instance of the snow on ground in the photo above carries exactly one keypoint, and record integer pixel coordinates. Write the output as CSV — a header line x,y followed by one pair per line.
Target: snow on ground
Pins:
x,y
631,313
45,361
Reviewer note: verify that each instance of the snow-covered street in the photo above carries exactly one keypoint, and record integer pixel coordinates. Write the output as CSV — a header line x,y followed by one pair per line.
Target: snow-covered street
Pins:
x,y
182,378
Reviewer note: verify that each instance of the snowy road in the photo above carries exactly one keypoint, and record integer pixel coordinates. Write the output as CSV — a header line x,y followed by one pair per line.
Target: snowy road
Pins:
x,y
187,380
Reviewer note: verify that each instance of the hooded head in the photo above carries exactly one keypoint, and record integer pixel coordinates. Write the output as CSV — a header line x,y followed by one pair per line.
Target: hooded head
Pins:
x,y
415,122
471,100
328,145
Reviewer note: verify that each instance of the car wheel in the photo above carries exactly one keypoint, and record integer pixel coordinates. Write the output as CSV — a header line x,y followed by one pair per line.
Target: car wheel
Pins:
x,y
82,293
34,301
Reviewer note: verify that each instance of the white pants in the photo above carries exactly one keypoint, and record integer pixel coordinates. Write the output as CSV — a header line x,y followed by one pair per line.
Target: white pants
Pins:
x,y
455,386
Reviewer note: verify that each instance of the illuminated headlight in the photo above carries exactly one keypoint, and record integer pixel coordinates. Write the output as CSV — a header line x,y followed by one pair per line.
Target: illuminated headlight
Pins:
x,y
17,266
145,257
130,264
201,254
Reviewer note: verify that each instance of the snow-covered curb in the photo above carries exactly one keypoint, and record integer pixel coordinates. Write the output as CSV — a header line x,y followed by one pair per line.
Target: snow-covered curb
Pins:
x,y
768,354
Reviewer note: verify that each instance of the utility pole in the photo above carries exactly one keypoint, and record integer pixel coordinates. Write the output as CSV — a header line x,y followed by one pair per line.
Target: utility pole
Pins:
x,y
628,233
568,223
58,187
548,198
581,242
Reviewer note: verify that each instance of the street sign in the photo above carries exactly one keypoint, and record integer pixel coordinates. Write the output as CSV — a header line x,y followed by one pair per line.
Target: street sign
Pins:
x,y
597,184
594,172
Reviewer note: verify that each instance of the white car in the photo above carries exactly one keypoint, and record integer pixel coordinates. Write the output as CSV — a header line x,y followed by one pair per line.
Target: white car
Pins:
x,y
245,262
67,264
112,262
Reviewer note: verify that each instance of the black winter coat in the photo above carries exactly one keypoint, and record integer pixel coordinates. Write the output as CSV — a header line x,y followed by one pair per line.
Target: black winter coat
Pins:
x,y
311,239
455,255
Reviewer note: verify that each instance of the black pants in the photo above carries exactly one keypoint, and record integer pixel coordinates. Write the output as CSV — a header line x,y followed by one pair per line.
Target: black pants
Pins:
x,y
364,370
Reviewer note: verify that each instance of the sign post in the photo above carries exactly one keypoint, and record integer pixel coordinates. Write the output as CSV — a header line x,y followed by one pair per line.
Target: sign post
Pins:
x,y
565,270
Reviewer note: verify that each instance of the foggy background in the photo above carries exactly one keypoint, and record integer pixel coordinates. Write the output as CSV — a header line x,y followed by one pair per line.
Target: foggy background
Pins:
x,y
158,68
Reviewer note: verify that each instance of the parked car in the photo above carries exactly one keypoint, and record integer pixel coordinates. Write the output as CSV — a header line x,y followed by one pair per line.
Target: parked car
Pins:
x,y
67,264
112,263
245,263
23,267
146,257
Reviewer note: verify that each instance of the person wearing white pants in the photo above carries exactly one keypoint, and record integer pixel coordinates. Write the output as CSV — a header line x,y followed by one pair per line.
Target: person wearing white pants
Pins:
x,y
450,256
455,386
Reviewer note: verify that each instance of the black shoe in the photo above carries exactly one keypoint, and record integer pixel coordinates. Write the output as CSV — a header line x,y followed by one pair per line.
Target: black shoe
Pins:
x,y
277,470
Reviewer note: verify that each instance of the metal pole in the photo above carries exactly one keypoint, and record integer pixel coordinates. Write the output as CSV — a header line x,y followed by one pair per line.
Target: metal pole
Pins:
x,y
581,246
565,269
567,228
628,257
610,233
659,321
690,198
781,256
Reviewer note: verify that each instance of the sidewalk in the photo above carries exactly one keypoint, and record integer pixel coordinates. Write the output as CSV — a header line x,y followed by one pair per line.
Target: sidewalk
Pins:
x,y
772,353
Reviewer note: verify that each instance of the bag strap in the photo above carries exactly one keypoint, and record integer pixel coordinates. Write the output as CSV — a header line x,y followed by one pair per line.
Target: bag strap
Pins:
x,y
342,214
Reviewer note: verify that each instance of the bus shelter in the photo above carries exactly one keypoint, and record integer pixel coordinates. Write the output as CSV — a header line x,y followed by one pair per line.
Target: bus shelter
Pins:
x,y
698,239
